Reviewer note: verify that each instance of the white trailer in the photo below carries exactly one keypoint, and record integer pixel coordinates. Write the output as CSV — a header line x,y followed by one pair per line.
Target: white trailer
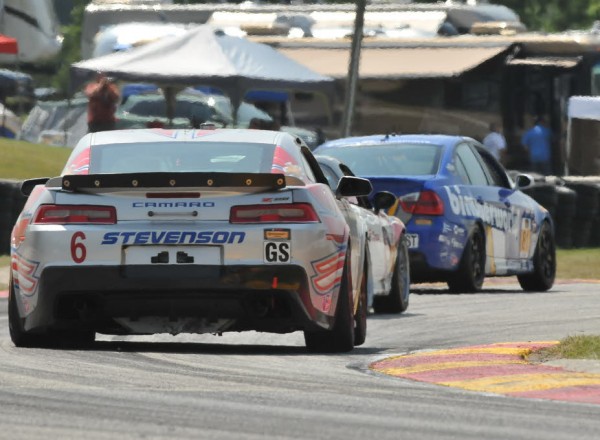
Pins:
x,y
583,136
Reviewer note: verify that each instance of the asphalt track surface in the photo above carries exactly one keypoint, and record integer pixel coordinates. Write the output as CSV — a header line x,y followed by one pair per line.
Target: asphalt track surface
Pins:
x,y
267,386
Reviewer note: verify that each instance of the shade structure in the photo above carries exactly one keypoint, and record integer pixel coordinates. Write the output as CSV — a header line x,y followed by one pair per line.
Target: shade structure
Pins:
x,y
395,62
205,56
8,45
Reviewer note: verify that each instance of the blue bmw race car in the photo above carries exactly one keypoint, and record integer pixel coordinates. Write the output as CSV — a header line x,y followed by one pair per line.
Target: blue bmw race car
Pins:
x,y
466,219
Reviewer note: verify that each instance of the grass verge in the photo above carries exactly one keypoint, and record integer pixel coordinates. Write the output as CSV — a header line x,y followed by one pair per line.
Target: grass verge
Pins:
x,y
578,263
4,263
23,160
572,347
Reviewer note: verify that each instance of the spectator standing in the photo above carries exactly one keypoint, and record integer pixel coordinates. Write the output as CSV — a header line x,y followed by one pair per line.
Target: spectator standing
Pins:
x,y
495,142
103,97
538,143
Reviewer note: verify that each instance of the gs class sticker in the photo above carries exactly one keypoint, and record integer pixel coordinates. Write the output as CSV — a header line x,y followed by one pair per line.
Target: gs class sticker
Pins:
x,y
277,247
277,251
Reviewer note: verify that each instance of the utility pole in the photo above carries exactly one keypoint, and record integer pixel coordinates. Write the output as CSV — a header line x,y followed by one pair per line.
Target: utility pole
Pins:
x,y
353,73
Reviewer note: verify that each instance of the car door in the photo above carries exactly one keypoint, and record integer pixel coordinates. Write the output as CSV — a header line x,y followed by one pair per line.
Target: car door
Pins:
x,y
491,204
519,235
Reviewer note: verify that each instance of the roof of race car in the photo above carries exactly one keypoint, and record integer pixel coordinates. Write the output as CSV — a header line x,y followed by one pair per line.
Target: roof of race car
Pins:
x,y
227,144
433,139
181,135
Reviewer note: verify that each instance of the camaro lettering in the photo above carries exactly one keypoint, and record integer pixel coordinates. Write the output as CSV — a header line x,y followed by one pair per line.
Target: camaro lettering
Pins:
x,y
173,204
174,237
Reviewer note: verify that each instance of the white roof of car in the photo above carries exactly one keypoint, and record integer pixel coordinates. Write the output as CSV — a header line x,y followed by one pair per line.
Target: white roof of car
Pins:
x,y
180,135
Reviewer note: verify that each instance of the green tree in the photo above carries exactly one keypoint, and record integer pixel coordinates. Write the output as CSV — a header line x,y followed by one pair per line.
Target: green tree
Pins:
x,y
70,52
551,15
554,15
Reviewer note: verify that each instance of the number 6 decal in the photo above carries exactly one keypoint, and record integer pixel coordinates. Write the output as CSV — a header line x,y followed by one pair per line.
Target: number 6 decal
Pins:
x,y
78,250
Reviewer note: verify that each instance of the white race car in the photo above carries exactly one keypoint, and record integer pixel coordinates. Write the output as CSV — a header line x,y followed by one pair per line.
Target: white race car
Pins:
x,y
387,267
188,231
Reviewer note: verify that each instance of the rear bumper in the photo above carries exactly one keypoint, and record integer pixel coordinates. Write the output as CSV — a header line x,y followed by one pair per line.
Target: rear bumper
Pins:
x,y
263,298
441,245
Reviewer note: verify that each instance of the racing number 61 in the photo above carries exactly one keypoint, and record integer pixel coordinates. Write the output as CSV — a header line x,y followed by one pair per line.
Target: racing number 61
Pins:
x,y
78,250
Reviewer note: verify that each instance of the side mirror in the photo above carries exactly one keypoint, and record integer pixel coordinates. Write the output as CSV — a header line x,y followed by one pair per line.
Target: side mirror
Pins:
x,y
383,200
523,181
28,185
351,186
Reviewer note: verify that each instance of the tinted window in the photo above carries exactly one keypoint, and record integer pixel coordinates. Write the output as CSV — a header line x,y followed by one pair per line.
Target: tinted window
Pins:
x,y
182,157
494,170
471,165
389,159
332,179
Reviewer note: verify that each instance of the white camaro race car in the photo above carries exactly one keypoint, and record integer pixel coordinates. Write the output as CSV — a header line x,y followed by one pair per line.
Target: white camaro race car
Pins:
x,y
188,231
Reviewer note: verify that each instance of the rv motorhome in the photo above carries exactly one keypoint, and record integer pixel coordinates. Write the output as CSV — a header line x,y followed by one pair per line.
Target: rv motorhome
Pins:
x,y
35,26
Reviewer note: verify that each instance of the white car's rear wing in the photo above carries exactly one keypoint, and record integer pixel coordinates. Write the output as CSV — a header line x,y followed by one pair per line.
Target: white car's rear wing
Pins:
x,y
255,182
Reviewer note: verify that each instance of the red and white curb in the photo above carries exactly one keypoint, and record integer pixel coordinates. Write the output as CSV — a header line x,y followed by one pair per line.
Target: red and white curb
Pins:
x,y
495,368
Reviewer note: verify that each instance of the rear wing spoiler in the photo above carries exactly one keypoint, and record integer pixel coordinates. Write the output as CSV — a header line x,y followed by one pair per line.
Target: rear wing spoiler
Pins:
x,y
133,181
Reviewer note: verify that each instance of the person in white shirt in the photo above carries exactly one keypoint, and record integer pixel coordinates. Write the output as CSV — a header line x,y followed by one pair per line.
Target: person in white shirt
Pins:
x,y
495,142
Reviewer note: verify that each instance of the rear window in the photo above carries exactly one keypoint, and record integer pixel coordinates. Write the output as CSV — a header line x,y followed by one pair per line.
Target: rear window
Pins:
x,y
182,157
389,159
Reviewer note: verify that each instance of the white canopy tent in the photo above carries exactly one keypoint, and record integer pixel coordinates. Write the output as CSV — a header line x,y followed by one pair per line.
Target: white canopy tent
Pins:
x,y
205,56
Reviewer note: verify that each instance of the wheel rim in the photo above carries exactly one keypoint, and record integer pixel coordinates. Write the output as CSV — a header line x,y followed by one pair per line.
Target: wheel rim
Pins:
x,y
546,255
477,257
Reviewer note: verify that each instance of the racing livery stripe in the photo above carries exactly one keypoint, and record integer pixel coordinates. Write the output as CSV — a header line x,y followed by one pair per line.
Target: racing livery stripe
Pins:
x,y
26,281
328,272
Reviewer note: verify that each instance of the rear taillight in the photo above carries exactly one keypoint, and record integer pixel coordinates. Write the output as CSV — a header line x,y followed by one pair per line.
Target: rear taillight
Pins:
x,y
283,213
422,203
68,214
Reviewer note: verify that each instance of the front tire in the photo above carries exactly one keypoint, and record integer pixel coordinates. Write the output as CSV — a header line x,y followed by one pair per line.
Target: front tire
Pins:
x,y
341,337
469,276
544,263
397,300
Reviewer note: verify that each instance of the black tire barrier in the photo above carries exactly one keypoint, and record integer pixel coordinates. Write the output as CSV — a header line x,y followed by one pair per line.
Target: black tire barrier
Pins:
x,y
595,234
588,198
7,189
566,201
545,194
584,230
565,215
587,209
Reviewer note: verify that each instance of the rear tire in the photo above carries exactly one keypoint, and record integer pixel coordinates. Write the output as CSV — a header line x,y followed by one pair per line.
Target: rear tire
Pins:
x,y
398,298
341,337
469,276
51,339
18,335
544,263
360,319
